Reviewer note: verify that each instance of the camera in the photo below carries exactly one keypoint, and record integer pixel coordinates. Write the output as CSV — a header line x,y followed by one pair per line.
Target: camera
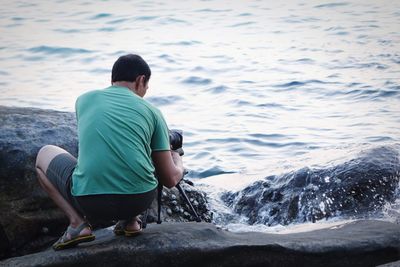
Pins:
x,y
176,140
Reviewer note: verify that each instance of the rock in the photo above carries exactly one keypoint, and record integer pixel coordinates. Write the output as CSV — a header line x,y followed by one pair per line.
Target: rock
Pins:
x,y
176,209
359,243
24,207
391,264
358,188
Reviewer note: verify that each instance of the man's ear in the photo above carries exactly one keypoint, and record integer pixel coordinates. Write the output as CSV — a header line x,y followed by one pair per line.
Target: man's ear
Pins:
x,y
139,80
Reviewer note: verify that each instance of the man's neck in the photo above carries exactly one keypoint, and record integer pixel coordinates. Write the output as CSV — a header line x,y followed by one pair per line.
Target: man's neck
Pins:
x,y
129,85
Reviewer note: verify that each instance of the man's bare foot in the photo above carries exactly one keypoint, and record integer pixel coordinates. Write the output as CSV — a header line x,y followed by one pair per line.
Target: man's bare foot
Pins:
x,y
131,228
134,225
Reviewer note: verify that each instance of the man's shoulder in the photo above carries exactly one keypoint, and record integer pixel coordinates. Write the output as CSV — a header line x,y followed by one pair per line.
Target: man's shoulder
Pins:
x,y
153,108
90,93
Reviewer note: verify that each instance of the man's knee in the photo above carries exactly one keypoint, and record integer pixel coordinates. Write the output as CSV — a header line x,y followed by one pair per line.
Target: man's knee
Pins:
x,y
45,155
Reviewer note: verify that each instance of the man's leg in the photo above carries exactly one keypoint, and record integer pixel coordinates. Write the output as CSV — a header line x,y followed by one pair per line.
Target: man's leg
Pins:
x,y
44,157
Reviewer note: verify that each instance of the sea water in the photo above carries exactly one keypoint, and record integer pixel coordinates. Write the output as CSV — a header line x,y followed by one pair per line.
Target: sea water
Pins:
x,y
258,87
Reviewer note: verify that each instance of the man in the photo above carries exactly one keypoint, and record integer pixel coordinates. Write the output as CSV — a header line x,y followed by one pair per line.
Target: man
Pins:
x,y
123,144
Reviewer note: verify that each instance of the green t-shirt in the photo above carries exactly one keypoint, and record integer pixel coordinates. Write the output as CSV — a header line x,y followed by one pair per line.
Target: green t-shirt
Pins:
x,y
117,132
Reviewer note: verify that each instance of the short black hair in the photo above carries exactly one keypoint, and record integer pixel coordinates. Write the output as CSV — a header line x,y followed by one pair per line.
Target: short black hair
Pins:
x,y
128,67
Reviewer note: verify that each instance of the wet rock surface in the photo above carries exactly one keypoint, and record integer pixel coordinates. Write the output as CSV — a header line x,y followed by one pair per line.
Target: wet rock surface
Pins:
x,y
358,188
174,207
29,220
26,211
360,243
391,264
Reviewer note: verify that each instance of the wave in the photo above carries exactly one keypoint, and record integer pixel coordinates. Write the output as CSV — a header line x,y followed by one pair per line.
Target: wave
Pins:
x,y
101,16
367,93
61,51
298,83
197,80
183,43
146,18
234,141
358,188
240,24
331,5
210,10
164,100
212,171
218,89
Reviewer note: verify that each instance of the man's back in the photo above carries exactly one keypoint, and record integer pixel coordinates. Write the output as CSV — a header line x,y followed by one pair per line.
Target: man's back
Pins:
x,y
118,131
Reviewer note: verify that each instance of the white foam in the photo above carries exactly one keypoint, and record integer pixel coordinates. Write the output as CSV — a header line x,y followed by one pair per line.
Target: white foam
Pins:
x,y
288,229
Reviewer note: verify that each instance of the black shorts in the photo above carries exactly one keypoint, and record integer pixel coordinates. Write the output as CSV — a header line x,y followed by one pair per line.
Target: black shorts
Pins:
x,y
59,172
96,208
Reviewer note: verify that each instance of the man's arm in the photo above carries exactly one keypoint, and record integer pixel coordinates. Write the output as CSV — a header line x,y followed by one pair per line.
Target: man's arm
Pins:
x,y
169,167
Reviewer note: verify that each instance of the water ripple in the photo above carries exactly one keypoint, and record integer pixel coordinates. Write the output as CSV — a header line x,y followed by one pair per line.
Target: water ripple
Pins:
x,y
68,30
183,43
164,100
101,16
169,20
270,136
167,58
331,5
242,24
371,94
61,51
197,80
214,170
210,10
298,83
232,142
117,21
378,139
100,70
107,29
275,106
218,89
146,18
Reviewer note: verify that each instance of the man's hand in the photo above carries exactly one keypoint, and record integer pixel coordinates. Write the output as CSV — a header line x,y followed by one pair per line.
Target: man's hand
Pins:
x,y
169,167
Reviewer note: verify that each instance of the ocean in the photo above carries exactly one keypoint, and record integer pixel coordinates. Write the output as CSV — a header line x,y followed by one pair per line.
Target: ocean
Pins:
x,y
259,88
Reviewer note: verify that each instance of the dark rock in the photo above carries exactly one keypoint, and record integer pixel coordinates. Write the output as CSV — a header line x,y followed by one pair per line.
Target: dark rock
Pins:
x,y
176,209
5,248
361,243
391,264
24,207
358,188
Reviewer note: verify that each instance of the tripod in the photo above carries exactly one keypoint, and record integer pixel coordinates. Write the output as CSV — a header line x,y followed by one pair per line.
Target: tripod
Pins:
x,y
176,139
159,195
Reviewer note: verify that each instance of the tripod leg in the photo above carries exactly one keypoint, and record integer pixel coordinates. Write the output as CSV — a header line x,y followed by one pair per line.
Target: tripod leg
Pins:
x,y
160,188
144,220
188,202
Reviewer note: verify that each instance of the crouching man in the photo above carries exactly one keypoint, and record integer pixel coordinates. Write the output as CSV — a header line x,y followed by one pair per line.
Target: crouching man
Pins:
x,y
123,144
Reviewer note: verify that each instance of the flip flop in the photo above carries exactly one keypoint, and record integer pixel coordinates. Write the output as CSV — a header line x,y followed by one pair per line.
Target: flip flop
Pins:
x,y
65,242
120,228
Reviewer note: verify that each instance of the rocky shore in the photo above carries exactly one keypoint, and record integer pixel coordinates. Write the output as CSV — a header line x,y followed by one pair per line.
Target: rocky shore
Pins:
x,y
361,243
30,222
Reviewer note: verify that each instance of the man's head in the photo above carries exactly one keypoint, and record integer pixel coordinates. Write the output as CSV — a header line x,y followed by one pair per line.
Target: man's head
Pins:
x,y
131,69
